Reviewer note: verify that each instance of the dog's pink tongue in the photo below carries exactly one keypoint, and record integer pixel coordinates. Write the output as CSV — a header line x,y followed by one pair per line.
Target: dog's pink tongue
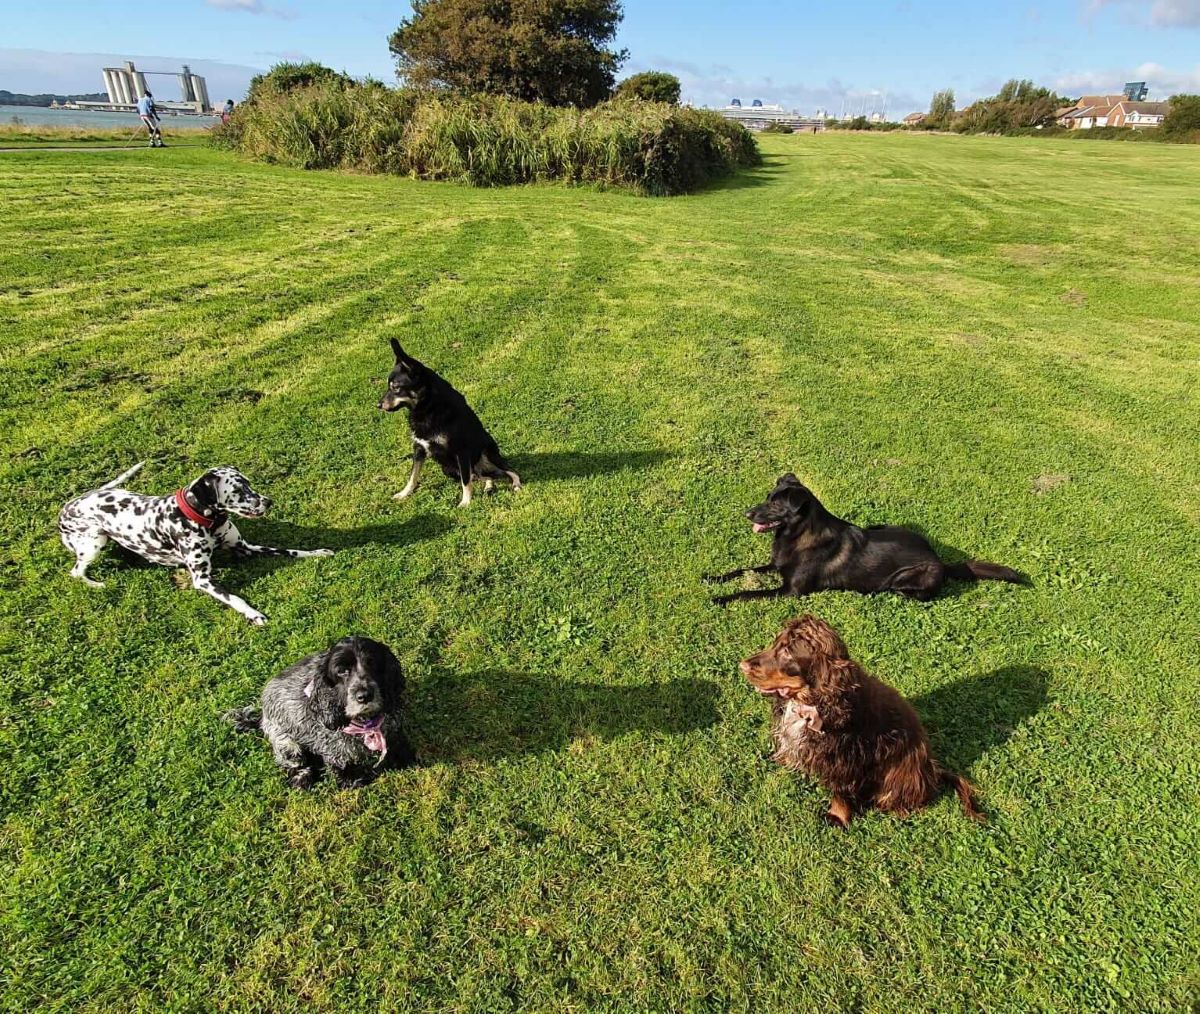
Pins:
x,y
371,732
758,527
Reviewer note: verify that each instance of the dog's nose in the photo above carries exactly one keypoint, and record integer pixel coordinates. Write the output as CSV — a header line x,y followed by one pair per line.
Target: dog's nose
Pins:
x,y
745,666
363,695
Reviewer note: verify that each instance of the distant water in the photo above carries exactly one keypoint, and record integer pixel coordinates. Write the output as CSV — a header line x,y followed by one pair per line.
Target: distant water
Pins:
x,y
38,116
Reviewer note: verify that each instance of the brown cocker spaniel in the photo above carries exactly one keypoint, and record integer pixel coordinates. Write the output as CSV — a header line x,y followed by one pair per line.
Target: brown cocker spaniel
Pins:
x,y
857,736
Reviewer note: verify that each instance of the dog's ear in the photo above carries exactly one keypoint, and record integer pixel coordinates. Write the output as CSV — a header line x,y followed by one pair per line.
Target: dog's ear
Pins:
x,y
204,491
399,352
819,637
325,697
788,479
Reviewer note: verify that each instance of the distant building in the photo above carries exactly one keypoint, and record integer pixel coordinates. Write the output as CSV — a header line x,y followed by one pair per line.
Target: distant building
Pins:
x,y
758,116
1138,114
1112,111
912,119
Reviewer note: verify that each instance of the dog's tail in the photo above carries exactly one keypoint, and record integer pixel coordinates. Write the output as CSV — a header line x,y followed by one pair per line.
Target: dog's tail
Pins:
x,y
966,795
127,474
244,719
981,570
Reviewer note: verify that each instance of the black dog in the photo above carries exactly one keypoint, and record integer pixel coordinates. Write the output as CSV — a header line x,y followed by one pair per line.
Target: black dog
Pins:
x,y
815,551
443,425
339,708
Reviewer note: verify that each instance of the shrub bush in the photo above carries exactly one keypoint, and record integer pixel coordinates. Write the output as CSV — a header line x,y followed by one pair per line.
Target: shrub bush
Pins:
x,y
648,147
286,77
650,86
778,128
1182,122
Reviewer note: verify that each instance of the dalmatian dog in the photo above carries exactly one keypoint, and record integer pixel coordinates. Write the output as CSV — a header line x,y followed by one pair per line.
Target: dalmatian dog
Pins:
x,y
184,529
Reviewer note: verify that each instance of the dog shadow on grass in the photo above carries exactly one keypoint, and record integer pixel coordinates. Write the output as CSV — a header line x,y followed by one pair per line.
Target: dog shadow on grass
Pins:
x,y
235,572
482,716
971,716
241,572
580,465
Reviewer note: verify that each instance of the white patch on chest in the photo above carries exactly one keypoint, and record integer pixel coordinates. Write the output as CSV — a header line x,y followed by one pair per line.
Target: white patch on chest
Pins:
x,y
798,719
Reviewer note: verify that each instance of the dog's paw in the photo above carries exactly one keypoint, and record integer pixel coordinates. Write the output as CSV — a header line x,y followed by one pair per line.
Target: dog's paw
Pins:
x,y
92,584
322,552
346,780
721,600
404,494
834,821
710,578
302,779
257,619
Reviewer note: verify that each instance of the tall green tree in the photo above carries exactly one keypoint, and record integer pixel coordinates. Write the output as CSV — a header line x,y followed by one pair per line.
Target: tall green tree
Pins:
x,y
941,109
553,51
651,86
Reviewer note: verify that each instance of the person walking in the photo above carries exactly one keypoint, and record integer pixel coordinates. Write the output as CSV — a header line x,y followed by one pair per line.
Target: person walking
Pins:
x,y
149,116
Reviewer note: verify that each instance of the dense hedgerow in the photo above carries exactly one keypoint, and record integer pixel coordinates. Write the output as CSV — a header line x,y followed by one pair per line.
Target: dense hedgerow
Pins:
x,y
649,147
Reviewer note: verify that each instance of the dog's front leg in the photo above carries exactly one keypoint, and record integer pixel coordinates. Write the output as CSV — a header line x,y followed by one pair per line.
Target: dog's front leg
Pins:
x,y
243,548
201,572
351,778
419,454
465,477
754,593
730,575
231,539
301,767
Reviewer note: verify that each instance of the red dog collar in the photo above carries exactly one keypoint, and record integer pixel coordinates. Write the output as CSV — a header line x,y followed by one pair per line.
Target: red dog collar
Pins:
x,y
190,512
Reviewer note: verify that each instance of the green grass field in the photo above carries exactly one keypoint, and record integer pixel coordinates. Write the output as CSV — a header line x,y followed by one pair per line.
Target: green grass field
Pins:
x,y
994,341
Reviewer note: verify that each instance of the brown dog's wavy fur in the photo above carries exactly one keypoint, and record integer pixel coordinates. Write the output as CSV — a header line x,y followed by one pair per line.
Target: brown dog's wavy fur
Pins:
x,y
864,742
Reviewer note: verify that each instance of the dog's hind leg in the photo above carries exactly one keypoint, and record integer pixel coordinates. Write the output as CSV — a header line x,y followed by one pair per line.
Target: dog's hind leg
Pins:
x,y
921,582
730,575
493,466
419,454
86,548
298,764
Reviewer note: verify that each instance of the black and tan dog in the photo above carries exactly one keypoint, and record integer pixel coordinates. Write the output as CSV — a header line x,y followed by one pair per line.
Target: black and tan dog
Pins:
x,y
444,426
815,551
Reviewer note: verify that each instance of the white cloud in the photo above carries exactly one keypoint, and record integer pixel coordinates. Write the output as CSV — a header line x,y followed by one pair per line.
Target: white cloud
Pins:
x,y
291,55
1162,82
36,71
716,84
1161,13
251,7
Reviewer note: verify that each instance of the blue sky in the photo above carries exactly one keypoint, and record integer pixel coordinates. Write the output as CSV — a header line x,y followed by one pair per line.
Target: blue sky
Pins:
x,y
804,55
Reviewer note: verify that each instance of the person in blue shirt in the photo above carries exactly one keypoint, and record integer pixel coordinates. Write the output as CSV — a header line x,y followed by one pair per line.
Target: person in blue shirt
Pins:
x,y
149,115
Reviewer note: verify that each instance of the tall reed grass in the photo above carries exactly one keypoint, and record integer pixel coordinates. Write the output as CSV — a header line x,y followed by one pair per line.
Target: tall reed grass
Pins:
x,y
648,147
